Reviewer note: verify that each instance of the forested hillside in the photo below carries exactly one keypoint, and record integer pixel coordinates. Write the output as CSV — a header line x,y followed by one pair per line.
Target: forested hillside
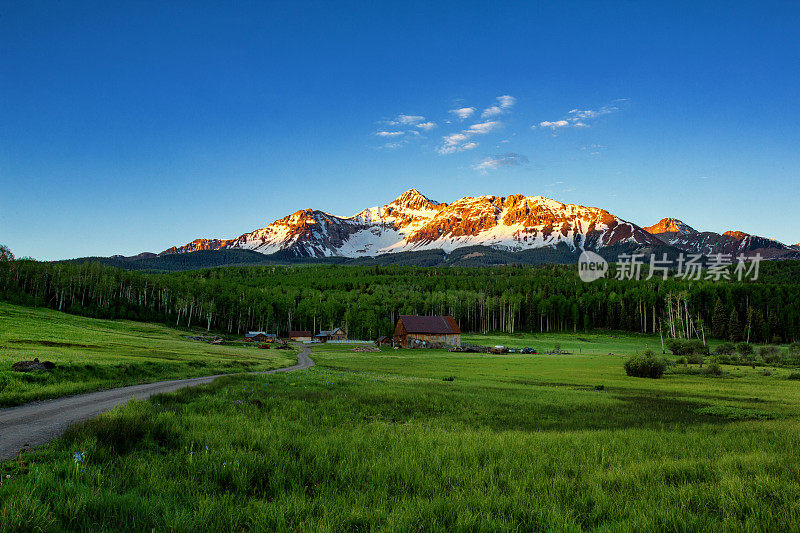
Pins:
x,y
366,300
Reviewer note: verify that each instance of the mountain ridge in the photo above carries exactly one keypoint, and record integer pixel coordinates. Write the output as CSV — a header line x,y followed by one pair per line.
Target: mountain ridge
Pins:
x,y
413,222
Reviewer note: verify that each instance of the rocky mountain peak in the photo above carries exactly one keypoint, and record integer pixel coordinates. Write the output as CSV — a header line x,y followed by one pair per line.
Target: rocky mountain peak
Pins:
x,y
670,225
413,199
738,235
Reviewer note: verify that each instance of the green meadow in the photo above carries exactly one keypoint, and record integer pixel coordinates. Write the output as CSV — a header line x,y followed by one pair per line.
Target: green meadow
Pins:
x,y
92,354
429,440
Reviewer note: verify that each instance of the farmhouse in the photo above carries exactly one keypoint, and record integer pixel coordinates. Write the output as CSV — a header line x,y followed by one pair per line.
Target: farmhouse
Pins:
x,y
302,336
414,331
260,336
335,334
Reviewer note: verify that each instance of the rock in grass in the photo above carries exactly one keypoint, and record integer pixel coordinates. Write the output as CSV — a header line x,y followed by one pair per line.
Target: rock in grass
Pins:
x,y
32,366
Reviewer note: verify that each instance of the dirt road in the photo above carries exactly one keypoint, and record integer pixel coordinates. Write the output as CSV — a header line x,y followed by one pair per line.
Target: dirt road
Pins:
x,y
34,424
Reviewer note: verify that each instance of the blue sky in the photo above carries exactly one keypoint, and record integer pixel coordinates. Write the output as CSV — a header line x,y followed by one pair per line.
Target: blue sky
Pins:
x,y
132,126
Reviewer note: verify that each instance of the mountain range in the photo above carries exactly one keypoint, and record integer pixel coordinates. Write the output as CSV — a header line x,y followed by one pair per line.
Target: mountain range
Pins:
x,y
414,223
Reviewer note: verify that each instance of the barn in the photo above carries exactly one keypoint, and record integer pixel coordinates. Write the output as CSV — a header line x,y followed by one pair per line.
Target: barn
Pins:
x,y
302,336
414,331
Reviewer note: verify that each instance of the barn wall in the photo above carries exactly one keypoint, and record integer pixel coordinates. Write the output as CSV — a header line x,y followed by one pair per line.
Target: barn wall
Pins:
x,y
451,339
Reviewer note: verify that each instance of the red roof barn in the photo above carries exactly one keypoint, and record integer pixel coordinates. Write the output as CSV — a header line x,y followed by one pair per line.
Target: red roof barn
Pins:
x,y
414,331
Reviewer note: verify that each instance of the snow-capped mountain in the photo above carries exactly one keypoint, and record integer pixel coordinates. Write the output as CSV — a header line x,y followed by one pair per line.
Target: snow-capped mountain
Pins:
x,y
682,236
670,226
413,222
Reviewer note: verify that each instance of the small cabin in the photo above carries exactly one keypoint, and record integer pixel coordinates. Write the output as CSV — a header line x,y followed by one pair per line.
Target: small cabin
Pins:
x,y
259,336
336,334
301,336
384,340
414,331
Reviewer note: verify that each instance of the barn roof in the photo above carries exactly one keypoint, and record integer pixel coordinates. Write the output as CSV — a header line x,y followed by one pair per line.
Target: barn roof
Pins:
x,y
299,333
439,325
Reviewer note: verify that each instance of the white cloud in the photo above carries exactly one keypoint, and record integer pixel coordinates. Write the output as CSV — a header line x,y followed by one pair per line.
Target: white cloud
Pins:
x,y
409,119
492,111
494,162
457,142
427,126
555,125
463,113
390,133
579,118
506,101
484,127
504,104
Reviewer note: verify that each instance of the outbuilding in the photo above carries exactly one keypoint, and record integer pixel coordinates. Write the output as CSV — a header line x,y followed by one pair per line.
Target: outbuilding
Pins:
x,y
259,336
414,331
302,336
335,334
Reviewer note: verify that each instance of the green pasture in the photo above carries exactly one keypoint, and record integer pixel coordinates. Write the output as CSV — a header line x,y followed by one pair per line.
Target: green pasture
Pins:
x,y
91,354
428,440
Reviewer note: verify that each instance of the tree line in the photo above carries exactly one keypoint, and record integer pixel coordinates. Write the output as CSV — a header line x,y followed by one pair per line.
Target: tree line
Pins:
x,y
366,300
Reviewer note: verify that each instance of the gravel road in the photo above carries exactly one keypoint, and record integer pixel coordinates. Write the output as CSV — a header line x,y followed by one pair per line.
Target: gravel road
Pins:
x,y
35,424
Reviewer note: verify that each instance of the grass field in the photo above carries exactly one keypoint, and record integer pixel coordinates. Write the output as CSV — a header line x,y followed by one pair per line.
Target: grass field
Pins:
x,y
429,440
595,343
93,354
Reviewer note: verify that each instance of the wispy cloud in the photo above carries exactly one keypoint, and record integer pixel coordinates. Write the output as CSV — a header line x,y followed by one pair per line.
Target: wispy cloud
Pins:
x,y
506,101
463,113
579,118
494,162
460,141
555,125
504,104
405,128
409,119
484,127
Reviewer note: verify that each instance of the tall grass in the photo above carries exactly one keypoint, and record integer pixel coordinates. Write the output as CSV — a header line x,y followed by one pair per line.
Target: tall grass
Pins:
x,y
382,442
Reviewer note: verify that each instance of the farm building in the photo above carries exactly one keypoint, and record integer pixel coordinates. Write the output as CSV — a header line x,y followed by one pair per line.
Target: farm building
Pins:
x,y
414,331
335,334
384,340
260,336
301,336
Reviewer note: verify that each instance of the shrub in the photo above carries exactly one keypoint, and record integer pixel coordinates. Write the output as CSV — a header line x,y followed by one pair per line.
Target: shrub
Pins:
x,y
744,349
713,369
794,375
687,347
770,354
695,359
726,348
645,366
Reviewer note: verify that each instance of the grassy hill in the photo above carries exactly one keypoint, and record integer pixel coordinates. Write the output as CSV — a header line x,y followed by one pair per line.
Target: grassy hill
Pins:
x,y
91,354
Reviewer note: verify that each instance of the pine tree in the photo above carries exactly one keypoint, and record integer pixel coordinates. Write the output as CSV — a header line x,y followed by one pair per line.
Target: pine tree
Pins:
x,y
734,327
719,320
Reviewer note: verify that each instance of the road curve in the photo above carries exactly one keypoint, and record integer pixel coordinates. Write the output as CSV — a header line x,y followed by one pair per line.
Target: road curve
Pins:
x,y
35,424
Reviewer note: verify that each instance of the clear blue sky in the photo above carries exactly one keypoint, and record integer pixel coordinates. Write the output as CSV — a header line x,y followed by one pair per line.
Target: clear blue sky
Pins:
x,y
132,126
